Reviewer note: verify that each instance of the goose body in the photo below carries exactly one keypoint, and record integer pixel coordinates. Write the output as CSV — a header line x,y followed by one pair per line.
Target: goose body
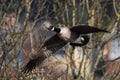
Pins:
x,y
60,39
70,34
67,35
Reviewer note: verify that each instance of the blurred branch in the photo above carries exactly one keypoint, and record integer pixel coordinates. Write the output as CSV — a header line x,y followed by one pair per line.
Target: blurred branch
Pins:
x,y
115,9
87,6
73,12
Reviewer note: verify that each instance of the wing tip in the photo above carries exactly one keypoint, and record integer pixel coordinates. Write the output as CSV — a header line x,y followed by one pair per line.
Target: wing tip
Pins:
x,y
106,31
29,66
26,69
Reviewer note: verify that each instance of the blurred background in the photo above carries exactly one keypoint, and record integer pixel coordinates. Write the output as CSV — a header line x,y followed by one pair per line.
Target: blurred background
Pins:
x,y
21,34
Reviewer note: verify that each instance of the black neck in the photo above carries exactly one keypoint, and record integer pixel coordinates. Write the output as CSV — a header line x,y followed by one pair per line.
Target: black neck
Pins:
x,y
57,30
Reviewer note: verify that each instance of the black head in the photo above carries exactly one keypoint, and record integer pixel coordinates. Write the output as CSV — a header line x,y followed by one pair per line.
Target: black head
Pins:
x,y
50,27
84,39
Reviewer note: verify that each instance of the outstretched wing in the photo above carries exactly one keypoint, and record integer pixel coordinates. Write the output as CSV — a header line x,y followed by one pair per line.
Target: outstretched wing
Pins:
x,y
49,47
85,29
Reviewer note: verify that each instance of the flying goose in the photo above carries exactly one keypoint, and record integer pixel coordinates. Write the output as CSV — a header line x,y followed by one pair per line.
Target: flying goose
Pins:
x,y
60,39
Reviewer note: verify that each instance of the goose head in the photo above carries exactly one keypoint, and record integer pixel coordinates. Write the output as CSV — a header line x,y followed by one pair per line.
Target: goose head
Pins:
x,y
48,25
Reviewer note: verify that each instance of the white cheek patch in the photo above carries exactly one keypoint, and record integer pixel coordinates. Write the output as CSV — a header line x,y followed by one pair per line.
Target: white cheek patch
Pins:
x,y
53,29
82,38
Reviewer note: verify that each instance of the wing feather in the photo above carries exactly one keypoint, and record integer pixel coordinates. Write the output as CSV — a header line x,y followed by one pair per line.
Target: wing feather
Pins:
x,y
49,47
85,29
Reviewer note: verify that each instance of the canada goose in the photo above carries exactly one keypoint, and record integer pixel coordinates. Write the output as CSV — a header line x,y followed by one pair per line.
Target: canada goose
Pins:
x,y
59,40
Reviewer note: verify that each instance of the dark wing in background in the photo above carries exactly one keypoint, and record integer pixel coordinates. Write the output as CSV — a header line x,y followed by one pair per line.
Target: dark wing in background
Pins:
x,y
84,40
50,46
85,29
